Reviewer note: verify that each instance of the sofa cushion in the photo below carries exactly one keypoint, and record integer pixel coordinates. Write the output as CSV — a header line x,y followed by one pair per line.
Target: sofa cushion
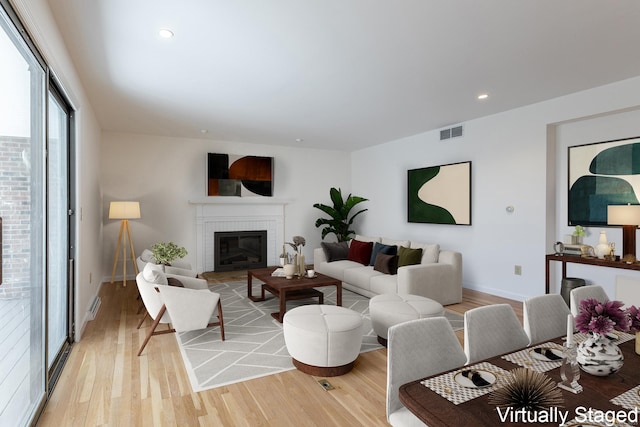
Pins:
x,y
407,256
336,269
335,251
366,239
360,251
384,284
153,273
379,248
360,276
430,251
387,264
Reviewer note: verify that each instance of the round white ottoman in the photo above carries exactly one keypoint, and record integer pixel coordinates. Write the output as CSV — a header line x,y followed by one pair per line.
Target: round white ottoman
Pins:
x,y
323,340
387,310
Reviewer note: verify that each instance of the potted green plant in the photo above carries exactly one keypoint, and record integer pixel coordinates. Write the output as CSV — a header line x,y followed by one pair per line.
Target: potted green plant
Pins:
x,y
340,215
166,252
578,235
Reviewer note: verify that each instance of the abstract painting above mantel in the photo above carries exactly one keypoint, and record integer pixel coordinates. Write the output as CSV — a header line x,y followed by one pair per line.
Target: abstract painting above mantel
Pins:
x,y
602,174
236,175
440,194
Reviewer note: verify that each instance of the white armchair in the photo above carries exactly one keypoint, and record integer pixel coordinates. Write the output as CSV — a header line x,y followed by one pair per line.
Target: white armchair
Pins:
x,y
177,268
181,308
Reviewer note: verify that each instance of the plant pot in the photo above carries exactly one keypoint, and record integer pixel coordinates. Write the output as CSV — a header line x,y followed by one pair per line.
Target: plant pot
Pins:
x,y
597,355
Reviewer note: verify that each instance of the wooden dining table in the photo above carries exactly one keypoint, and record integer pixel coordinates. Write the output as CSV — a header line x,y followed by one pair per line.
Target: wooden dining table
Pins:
x,y
436,410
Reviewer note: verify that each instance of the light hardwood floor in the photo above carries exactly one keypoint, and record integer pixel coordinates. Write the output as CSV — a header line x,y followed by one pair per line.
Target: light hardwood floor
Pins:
x,y
104,383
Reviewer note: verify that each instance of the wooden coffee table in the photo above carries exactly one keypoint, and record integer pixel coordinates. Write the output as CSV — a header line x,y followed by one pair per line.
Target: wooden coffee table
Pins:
x,y
290,289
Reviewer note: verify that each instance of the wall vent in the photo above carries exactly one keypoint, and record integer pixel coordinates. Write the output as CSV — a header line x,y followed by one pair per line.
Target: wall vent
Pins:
x,y
452,132
95,306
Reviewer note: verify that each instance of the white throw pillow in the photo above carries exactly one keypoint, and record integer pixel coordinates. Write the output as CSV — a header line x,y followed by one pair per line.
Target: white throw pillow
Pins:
x,y
430,252
367,239
153,273
147,256
397,243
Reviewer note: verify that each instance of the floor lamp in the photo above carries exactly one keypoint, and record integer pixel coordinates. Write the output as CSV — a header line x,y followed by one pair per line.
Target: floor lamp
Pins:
x,y
124,211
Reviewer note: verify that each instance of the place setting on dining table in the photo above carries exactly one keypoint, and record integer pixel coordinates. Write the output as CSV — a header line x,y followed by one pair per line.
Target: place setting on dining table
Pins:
x,y
581,379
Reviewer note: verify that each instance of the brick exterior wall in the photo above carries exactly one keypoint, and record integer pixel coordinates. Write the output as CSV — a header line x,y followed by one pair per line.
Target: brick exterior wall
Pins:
x,y
15,210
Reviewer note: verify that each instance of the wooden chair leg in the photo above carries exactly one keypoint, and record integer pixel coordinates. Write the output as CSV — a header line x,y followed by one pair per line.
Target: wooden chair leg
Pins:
x,y
152,329
220,319
142,320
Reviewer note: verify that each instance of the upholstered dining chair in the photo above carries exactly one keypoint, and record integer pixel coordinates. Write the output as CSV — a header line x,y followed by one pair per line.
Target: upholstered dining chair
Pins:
x,y
584,292
492,330
417,349
544,317
181,308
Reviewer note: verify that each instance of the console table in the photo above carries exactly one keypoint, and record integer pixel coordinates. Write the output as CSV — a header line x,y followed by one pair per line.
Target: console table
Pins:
x,y
575,259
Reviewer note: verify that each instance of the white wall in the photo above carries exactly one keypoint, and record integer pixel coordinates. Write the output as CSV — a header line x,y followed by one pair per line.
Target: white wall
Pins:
x,y
509,157
37,17
607,127
164,174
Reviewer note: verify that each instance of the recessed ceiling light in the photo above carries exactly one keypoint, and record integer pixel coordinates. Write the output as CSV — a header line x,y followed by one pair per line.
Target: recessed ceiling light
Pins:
x,y
165,33
299,139
203,131
483,96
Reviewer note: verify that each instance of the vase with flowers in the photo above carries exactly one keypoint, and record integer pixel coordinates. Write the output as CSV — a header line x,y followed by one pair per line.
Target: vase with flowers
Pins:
x,y
297,244
598,355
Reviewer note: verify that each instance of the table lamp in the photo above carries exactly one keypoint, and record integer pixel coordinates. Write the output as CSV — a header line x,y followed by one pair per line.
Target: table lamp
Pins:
x,y
628,216
124,211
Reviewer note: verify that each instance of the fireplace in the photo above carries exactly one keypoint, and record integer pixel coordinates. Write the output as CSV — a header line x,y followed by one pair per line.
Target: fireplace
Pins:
x,y
240,250
222,214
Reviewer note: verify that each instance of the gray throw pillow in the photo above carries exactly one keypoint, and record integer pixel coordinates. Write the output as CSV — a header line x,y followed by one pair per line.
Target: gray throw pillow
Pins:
x,y
335,251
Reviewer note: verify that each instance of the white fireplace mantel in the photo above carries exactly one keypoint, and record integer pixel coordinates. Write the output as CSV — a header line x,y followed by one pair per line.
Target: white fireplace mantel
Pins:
x,y
215,214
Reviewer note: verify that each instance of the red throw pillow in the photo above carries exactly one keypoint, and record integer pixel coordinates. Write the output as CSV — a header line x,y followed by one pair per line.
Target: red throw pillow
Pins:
x,y
360,251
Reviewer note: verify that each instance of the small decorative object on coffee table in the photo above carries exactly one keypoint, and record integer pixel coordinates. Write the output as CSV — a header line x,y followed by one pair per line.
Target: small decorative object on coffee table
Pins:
x,y
297,244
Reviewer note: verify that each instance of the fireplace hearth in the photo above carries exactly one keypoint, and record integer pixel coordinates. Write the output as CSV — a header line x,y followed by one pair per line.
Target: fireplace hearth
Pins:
x,y
240,250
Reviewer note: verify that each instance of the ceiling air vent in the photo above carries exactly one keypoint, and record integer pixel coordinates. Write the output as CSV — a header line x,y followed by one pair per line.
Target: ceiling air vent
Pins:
x,y
452,132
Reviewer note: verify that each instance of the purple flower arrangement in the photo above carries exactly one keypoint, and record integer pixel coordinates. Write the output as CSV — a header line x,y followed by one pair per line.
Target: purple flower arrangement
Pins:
x,y
603,317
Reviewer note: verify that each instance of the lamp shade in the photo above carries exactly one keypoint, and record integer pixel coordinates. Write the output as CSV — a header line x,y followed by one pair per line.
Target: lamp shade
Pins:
x,y
124,210
623,215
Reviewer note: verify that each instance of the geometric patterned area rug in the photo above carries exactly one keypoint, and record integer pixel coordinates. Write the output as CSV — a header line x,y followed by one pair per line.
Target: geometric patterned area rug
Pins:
x,y
254,342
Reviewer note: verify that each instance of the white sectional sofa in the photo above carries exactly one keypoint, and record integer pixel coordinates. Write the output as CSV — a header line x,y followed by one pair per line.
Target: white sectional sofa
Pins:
x,y
438,275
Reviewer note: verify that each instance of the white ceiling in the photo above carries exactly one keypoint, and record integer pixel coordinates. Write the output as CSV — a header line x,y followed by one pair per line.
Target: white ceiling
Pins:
x,y
341,74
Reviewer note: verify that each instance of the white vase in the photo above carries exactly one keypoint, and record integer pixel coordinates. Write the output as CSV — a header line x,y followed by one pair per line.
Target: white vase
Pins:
x,y
289,270
597,355
602,248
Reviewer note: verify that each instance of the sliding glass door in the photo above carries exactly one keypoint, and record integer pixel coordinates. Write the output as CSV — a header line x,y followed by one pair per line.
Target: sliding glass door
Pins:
x,y
36,230
22,201
59,256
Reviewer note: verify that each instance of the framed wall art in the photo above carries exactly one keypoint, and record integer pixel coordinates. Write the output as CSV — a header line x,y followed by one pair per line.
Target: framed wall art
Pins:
x,y
234,175
602,174
440,194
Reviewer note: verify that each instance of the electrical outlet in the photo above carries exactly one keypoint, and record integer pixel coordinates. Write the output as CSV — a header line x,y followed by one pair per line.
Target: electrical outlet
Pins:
x,y
518,270
325,385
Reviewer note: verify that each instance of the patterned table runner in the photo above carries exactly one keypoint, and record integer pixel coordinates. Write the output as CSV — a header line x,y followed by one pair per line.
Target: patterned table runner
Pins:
x,y
629,399
622,337
446,386
525,358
